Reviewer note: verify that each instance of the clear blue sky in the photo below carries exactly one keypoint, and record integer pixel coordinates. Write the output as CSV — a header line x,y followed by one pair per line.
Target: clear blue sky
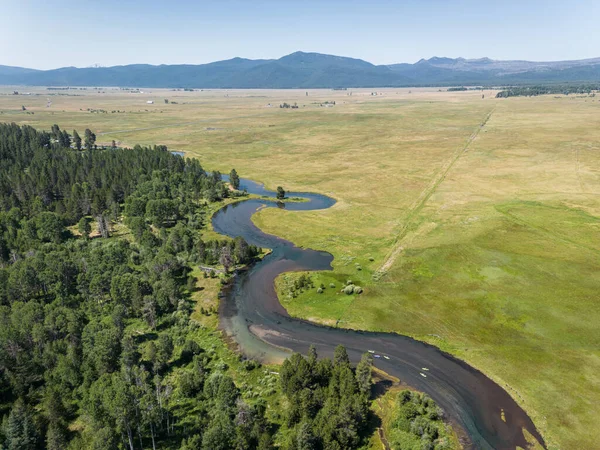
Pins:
x,y
47,34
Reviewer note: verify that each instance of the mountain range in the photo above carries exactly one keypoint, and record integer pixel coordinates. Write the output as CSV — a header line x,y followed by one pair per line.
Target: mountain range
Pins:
x,y
311,70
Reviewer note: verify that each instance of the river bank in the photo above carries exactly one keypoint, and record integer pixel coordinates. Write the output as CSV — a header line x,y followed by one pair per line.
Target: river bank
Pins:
x,y
252,315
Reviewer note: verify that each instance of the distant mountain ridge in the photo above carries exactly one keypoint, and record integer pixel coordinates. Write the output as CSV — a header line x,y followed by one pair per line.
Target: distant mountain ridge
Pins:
x,y
311,70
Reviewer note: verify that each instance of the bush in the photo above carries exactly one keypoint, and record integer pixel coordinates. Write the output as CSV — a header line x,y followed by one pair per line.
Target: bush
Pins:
x,y
348,282
404,396
358,268
358,290
222,366
371,259
332,285
349,290
190,348
319,291
250,364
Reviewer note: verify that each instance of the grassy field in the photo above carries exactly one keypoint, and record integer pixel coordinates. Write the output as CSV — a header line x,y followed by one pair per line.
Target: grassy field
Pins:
x,y
475,222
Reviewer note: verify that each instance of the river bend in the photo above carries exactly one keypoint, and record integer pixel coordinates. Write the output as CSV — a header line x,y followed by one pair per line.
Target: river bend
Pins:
x,y
252,315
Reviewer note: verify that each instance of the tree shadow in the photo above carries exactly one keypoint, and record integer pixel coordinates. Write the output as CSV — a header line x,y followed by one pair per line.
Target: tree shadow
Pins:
x,y
380,387
141,338
372,426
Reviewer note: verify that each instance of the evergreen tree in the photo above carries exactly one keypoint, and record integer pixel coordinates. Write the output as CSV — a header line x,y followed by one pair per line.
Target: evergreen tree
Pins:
x,y
340,356
89,139
65,139
84,227
76,140
234,179
57,436
21,432
280,193
363,373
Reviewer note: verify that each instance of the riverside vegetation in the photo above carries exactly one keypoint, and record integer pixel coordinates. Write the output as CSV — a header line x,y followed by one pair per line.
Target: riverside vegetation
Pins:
x,y
98,347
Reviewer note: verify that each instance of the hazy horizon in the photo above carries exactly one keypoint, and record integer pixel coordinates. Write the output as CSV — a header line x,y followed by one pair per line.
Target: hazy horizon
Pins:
x,y
303,51
67,33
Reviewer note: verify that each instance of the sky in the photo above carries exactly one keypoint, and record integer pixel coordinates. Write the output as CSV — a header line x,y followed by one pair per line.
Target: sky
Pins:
x,y
44,34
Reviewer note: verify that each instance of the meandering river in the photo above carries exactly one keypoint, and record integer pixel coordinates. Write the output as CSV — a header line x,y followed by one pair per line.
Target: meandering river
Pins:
x,y
252,315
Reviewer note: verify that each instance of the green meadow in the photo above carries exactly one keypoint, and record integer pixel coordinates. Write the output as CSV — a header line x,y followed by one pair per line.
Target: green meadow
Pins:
x,y
471,223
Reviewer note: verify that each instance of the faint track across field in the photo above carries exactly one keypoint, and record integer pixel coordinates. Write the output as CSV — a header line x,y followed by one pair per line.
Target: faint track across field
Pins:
x,y
424,197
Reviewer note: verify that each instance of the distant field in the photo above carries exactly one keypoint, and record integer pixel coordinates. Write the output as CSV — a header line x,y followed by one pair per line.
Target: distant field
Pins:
x,y
483,240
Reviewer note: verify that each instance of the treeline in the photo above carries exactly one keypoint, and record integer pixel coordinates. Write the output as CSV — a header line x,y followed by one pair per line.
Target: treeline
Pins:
x,y
565,89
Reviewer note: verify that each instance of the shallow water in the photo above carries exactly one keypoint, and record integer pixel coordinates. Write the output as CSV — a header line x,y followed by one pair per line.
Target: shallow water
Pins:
x,y
252,315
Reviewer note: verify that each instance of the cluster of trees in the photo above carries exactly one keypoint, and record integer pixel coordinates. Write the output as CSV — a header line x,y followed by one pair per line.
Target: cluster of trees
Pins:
x,y
328,401
295,284
227,253
45,186
418,424
566,89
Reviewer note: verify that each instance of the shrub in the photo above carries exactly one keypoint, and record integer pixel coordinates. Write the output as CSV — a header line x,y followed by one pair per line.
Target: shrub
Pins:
x,y
332,285
222,366
358,290
404,396
250,364
319,291
371,259
358,268
348,282
349,290
190,348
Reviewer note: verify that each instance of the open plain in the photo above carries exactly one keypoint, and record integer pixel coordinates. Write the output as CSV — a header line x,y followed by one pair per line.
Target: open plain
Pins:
x,y
472,223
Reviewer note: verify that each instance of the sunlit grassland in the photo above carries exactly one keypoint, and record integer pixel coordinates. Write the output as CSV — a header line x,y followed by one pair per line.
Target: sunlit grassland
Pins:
x,y
499,262
500,266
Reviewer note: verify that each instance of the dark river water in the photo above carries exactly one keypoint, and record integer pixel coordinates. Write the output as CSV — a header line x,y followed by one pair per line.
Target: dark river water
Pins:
x,y
253,317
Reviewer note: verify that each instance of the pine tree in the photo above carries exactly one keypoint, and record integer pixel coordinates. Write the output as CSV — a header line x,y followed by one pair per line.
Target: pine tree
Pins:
x,y
280,193
21,432
363,373
76,140
89,139
234,179
340,356
84,227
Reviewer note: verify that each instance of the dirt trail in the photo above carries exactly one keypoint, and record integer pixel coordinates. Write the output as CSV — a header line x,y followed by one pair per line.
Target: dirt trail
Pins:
x,y
397,247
